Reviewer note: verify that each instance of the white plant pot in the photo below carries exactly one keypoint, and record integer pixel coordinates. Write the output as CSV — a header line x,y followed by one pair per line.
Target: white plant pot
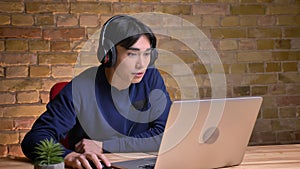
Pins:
x,y
53,166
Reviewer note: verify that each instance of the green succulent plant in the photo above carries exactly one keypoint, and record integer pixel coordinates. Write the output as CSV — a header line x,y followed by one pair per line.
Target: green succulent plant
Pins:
x,y
49,152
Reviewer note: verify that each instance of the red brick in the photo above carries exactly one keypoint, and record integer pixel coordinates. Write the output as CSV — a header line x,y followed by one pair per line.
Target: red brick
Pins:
x,y
288,101
40,71
256,67
283,44
292,32
228,33
265,44
248,20
259,90
273,67
9,137
39,45
22,123
259,79
89,21
286,55
91,8
7,98
61,46
15,151
266,20
247,44
67,20
214,9
283,9
64,33
23,111
17,59
13,32
288,112
17,45
28,97
295,43
57,58
289,77
269,113
277,89
248,9
211,20
268,137
62,71
241,91
2,46
264,32
47,7
45,20
6,124
1,72
285,137
20,84
3,150
16,71
11,7
4,20
22,20
288,20
120,8
44,97
290,66
293,89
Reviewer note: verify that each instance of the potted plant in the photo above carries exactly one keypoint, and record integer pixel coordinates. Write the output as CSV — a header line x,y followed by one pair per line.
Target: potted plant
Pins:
x,y
49,155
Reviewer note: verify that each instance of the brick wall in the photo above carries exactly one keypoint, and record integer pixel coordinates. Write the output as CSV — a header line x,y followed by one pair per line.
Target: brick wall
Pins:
x,y
258,42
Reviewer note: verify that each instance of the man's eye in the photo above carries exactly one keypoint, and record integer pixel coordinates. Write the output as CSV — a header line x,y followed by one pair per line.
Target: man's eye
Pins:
x,y
146,54
132,54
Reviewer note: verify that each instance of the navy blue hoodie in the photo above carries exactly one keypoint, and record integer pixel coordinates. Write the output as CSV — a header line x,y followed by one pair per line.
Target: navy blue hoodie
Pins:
x,y
129,120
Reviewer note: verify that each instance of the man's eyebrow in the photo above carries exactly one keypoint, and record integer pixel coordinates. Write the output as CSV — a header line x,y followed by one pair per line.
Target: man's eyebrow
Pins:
x,y
132,48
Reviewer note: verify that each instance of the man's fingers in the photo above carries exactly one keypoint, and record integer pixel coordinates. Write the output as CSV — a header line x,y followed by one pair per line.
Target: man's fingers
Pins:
x,y
93,160
104,160
84,162
79,147
77,164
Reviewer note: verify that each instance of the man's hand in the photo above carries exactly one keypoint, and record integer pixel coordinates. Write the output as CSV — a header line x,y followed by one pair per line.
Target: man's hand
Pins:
x,y
87,151
87,145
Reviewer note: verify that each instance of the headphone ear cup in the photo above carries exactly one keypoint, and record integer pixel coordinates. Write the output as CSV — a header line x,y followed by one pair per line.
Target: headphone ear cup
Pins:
x,y
107,54
113,56
154,56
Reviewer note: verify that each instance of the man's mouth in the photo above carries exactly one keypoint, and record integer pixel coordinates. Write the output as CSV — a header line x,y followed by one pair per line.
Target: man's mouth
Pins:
x,y
138,74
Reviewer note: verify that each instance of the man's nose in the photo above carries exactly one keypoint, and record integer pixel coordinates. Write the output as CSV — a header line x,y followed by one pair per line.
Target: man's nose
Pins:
x,y
140,63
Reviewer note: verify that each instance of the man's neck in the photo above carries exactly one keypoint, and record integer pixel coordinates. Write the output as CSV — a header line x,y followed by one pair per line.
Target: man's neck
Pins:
x,y
114,80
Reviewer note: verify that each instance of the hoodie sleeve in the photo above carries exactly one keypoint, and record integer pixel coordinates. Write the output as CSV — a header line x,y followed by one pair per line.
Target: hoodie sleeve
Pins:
x,y
55,122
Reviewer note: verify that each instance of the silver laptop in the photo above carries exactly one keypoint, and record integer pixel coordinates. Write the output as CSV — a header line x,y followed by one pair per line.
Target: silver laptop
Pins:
x,y
209,133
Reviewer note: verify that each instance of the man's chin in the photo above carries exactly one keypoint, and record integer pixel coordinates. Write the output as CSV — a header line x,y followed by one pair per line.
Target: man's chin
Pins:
x,y
136,80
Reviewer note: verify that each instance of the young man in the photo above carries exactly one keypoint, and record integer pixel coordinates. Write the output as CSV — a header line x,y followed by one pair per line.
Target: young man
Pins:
x,y
120,106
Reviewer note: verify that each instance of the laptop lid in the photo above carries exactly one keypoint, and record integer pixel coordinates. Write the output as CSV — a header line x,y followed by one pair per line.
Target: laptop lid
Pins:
x,y
206,133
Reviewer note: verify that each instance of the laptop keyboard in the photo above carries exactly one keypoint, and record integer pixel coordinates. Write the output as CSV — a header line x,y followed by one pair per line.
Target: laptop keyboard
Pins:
x,y
147,166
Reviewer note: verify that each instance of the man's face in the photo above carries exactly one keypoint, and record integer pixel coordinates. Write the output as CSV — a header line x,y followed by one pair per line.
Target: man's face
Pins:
x,y
132,63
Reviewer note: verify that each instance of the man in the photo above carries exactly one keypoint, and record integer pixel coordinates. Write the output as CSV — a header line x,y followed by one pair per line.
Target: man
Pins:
x,y
120,106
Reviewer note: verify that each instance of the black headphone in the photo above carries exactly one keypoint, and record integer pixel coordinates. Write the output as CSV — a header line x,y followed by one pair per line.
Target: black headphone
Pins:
x,y
107,53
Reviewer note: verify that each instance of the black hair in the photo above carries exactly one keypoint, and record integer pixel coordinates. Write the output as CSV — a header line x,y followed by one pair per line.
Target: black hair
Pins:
x,y
128,42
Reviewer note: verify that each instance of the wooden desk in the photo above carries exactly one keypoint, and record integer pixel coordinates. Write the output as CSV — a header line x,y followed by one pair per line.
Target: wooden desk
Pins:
x,y
258,157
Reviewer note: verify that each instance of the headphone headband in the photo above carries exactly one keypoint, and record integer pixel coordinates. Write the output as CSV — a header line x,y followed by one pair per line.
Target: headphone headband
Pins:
x,y
107,53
